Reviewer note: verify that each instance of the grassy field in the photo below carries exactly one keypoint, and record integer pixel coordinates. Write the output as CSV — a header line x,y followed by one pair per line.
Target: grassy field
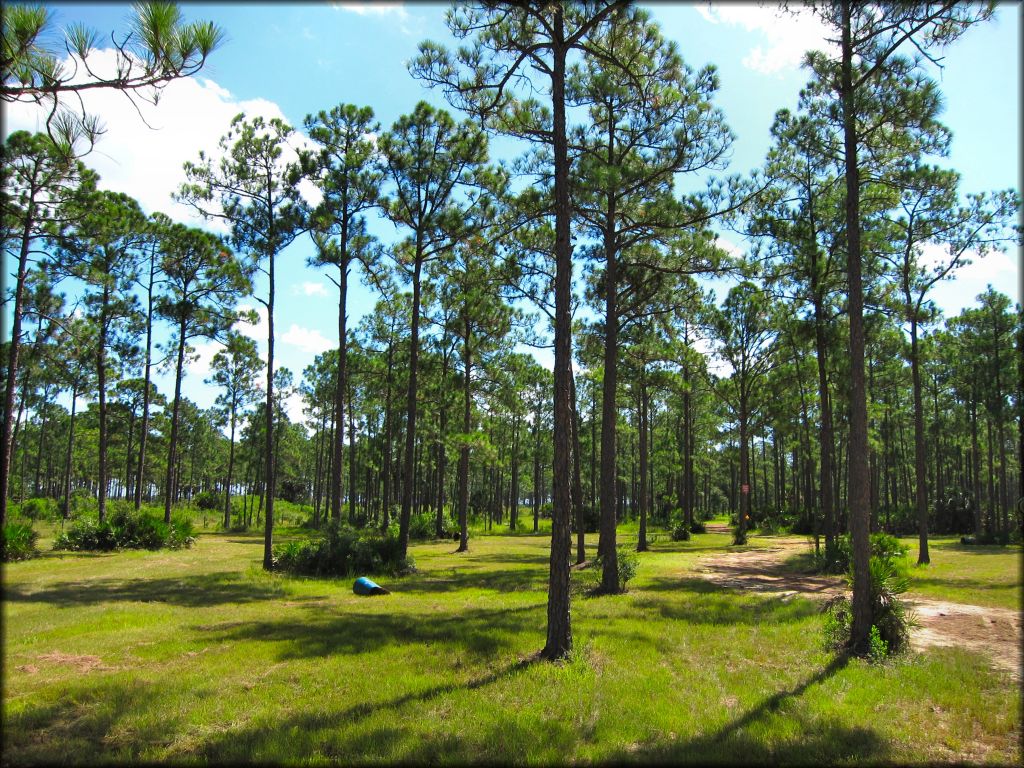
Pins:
x,y
982,575
199,656
990,576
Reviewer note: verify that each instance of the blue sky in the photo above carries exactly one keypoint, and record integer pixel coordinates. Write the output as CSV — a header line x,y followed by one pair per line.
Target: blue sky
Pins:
x,y
291,59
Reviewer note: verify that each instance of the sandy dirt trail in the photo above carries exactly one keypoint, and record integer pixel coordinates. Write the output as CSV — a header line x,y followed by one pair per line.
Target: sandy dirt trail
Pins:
x,y
996,632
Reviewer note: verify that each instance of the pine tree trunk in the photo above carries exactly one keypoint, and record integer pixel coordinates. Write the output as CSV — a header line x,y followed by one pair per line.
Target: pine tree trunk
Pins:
x,y
144,435
467,425
641,541
172,447
268,480
577,483
101,378
609,412
859,494
559,626
68,463
410,425
920,458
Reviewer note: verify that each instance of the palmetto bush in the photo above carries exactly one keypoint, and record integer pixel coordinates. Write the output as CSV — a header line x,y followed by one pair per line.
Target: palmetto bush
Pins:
x,y
891,620
18,542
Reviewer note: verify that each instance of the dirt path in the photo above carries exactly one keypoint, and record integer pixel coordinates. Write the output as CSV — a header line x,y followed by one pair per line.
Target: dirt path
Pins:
x,y
995,632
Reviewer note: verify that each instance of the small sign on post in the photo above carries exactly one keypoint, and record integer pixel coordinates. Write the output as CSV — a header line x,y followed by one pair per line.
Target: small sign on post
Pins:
x,y
744,488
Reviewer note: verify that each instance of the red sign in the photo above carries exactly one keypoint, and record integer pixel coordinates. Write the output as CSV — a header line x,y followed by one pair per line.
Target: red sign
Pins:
x,y
744,488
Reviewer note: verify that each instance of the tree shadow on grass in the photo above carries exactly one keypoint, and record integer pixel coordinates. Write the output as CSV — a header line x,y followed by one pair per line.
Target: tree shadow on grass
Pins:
x,y
680,548
199,591
818,743
61,554
320,634
339,735
466,577
961,583
76,727
516,558
975,549
707,603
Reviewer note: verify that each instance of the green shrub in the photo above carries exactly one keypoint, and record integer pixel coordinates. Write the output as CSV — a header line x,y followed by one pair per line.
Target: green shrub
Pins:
x,y
87,535
839,557
888,612
82,503
627,561
838,619
878,649
891,622
773,522
18,542
698,527
127,529
680,531
40,509
181,533
835,557
343,551
423,526
887,547
208,500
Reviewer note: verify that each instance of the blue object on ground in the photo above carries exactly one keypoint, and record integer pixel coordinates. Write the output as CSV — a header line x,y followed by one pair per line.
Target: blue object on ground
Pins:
x,y
363,586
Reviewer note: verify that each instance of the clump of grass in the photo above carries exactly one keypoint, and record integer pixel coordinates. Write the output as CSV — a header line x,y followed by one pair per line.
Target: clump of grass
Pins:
x,y
18,542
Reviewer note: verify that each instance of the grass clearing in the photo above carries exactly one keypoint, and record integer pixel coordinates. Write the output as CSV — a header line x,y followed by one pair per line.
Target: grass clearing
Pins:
x,y
199,656
988,575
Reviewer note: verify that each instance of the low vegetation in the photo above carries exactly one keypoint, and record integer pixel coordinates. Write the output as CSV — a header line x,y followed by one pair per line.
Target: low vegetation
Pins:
x,y
343,551
197,655
19,542
126,529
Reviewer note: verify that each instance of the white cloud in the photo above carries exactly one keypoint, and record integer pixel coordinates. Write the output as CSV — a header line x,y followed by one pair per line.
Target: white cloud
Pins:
x,y
998,269
146,161
383,9
310,289
787,35
202,358
309,191
307,339
257,332
377,8
729,247
293,405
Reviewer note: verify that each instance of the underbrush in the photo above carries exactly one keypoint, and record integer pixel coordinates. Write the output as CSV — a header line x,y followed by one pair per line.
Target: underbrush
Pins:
x,y
126,529
680,531
839,557
18,542
343,551
587,580
423,527
891,620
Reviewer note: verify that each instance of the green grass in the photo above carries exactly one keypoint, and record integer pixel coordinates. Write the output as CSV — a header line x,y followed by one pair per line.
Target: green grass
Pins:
x,y
198,655
967,573
990,576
